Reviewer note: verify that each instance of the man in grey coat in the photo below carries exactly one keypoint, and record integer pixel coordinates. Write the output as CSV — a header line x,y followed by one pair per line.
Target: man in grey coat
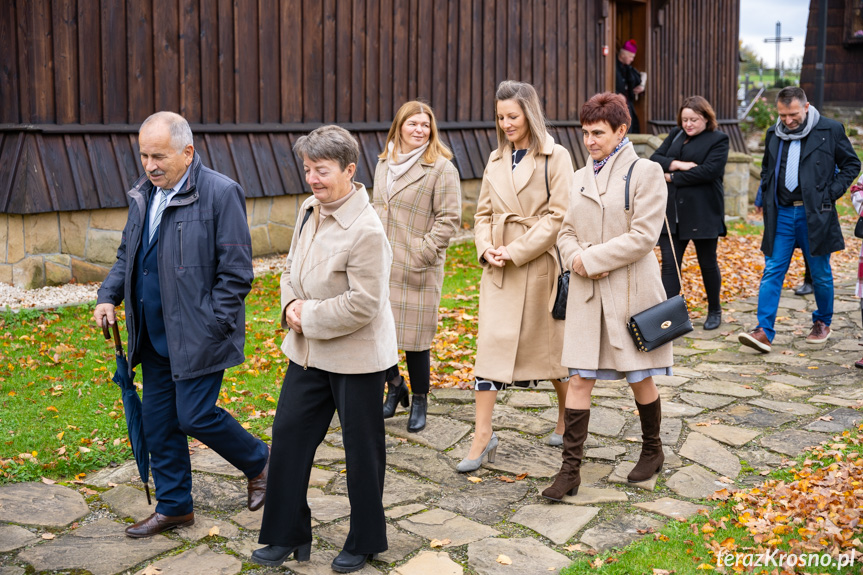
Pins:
x,y
808,164
184,268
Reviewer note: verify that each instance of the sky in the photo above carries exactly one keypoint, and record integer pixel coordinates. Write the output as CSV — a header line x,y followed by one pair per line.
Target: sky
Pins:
x,y
758,21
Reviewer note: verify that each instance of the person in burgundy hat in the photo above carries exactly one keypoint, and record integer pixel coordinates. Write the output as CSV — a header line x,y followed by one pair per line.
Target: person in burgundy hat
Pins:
x,y
628,80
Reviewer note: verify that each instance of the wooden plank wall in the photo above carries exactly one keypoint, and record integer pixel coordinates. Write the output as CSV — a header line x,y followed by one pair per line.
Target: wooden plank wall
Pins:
x,y
308,61
696,44
843,72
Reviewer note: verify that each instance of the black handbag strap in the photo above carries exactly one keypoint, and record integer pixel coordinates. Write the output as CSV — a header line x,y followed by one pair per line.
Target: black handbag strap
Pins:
x,y
626,187
548,199
305,219
667,227
629,222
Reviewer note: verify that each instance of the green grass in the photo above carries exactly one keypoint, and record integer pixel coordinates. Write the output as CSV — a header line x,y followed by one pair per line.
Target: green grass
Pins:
x,y
57,397
744,228
461,277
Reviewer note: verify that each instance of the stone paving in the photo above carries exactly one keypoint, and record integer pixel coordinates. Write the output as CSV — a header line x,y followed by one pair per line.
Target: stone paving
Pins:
x,y
729,413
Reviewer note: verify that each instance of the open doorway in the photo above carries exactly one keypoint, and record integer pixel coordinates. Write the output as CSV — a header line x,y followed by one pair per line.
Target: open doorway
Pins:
x,y
630,22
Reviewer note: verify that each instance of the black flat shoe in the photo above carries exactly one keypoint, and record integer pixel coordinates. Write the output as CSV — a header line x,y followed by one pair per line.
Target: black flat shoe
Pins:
x,y
419,407
397,392
714,319
275,555
804,289
348,562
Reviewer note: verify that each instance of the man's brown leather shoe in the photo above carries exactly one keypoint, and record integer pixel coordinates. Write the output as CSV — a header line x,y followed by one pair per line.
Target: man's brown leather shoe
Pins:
x,y
819,334
756,339
258,487
156,523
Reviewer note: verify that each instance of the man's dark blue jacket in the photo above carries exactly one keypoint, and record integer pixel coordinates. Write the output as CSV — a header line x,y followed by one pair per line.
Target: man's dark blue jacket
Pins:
x,y
204,270
826,148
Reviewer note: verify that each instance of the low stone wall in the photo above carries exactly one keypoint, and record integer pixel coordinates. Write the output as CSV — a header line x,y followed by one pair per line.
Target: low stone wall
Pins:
x,y
737,182
754,182
271,223
56,248
61,247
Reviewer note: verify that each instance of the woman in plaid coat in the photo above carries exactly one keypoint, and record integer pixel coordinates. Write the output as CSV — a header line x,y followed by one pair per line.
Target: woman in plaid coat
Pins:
x,y
417,194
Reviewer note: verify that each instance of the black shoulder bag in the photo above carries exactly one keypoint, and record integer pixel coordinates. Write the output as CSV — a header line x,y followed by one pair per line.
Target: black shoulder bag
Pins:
x,y
558,311
665,321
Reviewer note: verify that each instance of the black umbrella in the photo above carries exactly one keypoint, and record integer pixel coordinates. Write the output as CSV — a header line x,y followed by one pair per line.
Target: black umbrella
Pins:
x,y
132,407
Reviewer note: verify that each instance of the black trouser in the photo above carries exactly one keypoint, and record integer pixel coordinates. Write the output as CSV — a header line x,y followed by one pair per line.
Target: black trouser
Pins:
x,y
706,252
807,274
305,409
419,369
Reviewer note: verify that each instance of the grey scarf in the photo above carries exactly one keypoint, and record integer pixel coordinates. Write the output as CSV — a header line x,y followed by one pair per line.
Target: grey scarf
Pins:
x,y
812,118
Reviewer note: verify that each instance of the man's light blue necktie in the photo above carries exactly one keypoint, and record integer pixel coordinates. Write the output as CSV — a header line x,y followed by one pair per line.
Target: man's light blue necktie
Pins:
x,y
792,165
163,201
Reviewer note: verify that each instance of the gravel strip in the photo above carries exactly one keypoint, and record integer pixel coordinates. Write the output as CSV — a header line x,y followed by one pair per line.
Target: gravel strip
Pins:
x,y
13,298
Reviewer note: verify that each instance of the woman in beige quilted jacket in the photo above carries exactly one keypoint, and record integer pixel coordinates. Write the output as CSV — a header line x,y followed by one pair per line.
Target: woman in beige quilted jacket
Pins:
x,y
341,340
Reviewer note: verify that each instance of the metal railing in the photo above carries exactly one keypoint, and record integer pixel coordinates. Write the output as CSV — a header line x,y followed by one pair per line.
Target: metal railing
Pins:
x,y
751,104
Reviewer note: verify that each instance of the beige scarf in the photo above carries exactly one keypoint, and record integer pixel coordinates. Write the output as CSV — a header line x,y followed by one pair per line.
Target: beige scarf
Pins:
x,y
402,163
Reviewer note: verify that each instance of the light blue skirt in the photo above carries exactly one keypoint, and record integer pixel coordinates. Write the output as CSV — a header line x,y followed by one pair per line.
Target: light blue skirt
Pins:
x,y
631,376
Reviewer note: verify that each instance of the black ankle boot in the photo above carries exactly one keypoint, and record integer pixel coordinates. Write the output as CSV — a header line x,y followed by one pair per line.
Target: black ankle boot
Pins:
x,y
714,319
348,562
274,555
397,392
419,407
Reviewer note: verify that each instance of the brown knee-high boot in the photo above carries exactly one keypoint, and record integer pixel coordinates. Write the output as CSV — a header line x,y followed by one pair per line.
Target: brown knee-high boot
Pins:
x,y
569,477
651,459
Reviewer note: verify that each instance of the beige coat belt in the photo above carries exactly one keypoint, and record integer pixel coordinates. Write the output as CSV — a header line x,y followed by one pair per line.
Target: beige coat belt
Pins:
x,y
498,224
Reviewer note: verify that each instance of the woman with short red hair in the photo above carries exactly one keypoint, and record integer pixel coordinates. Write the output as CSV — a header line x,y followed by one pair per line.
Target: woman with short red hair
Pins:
x,y
615,274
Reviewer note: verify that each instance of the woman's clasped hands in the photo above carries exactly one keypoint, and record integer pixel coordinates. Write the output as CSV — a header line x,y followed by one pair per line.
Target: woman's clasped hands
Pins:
x,y
293,315
578,267
497,257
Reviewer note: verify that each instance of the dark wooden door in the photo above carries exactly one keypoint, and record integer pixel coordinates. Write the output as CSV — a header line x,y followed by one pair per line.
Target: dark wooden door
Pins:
x,y
629,20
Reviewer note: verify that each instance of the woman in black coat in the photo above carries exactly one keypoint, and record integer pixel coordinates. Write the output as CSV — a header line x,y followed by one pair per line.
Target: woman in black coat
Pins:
x,y
693,157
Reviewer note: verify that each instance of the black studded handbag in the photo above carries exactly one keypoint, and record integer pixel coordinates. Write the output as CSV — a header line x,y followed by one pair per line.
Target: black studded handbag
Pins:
x,y
664,322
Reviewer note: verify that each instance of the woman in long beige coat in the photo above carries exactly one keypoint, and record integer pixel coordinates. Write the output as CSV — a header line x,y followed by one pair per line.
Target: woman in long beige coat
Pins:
x,y
521,205
615,275
417,195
